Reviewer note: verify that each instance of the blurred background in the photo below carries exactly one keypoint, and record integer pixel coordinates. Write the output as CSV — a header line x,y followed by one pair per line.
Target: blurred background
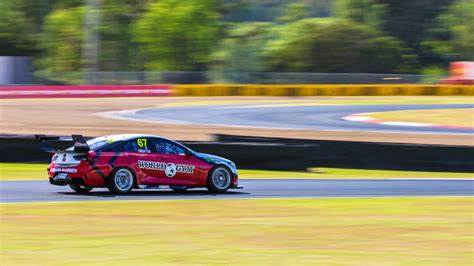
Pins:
x,y
233,41
351,123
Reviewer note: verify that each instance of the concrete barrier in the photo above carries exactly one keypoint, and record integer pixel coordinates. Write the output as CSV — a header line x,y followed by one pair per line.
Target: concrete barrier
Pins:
x,y
294,154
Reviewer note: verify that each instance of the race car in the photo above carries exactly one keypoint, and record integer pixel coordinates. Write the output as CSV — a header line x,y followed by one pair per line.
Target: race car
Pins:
x,y
128,161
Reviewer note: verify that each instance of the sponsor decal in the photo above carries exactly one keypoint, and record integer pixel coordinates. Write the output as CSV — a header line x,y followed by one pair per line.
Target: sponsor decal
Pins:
x,y
64,170
170,169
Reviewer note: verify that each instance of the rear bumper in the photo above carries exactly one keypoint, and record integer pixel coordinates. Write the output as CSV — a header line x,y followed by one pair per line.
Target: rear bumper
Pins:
x,y
76,181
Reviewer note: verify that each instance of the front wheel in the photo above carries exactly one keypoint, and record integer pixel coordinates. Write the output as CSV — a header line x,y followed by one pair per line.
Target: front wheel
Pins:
x,y
219,179
121,181
79,188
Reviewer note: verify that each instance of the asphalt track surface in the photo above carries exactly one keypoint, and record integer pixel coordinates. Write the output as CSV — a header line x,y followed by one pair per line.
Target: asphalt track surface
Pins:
x,y
288,117
42,191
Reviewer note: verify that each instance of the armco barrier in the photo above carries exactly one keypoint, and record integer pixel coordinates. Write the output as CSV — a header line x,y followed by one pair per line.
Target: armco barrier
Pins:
x,y
84,91
320,90
292,154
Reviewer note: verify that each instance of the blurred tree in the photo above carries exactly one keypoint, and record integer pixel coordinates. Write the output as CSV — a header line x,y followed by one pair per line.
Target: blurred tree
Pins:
x,y
272,10
452,36
178,35
15,32
62,40
338,47
293,12
116,48
368,12
239,53
410,20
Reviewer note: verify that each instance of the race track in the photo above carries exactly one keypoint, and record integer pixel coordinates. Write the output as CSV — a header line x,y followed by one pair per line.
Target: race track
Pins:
x,y
287,116
42,191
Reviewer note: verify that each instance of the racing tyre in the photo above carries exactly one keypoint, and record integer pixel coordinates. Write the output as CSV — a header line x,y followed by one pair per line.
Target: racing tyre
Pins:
x,y
121,181
219,179
79,188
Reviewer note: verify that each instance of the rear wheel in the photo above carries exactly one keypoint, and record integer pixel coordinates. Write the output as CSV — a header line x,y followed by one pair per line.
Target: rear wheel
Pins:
x,y
121,181
219,179
79,188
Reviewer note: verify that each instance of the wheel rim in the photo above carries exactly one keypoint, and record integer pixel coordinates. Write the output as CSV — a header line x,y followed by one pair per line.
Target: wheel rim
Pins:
x,y
221,178
123,179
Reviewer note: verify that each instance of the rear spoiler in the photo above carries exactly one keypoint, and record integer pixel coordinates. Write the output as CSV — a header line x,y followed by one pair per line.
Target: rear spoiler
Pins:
x,y
53,144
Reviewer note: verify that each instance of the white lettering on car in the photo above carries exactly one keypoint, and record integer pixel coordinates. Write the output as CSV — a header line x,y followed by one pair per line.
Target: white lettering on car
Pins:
x,y
170,169
64,170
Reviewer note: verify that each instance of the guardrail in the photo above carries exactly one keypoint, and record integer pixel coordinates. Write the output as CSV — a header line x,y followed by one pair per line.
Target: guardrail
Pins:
x,y
294,154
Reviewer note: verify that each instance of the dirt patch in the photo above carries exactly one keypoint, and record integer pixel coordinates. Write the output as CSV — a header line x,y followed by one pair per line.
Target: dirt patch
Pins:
x,y
78,116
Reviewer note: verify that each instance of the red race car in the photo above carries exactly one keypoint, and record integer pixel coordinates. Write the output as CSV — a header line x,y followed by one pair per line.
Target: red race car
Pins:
x,y
124,162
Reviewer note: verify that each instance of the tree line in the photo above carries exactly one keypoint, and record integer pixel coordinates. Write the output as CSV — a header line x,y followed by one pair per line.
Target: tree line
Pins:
x,y
227,36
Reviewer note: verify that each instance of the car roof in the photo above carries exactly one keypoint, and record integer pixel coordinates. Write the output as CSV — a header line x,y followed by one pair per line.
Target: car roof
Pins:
x,y
118,137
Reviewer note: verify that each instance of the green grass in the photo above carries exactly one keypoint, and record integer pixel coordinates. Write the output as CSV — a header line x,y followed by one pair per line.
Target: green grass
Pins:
x,y
18,171
13,171
377,231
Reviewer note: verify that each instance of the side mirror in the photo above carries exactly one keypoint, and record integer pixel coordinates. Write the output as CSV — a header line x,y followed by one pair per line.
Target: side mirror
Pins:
x,y
188,153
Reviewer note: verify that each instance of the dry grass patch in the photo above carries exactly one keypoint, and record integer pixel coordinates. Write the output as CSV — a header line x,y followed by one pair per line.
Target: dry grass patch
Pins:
x,y
450,117
408,231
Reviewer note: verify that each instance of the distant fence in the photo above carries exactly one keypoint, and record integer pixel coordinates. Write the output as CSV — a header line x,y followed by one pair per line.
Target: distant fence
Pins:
x,y
230,90
84,91
294,154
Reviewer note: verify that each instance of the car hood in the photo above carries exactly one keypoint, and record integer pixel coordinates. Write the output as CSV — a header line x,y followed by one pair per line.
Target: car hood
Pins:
x,y
211,158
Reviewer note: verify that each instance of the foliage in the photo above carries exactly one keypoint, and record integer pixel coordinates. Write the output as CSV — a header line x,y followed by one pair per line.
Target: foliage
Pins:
x,y
177,36
452,37
410,20
15,39
239,52
62,40
324,47
243,36
368,12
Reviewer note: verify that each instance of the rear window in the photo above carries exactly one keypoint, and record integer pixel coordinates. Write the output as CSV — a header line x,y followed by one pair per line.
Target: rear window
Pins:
x,y
95,144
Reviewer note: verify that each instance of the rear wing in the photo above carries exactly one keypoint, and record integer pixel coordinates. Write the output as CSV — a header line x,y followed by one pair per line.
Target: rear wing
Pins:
x,y
54,144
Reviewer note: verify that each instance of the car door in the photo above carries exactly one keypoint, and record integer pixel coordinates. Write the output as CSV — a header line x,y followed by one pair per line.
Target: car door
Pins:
x,y
141,154
181,167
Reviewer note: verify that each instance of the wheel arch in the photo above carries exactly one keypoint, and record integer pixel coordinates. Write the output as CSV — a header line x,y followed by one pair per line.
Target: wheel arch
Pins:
x,y
134,174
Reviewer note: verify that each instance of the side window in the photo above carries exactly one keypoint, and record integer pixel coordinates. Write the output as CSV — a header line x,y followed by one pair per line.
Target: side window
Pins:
x,y
167,147
142,145
114,147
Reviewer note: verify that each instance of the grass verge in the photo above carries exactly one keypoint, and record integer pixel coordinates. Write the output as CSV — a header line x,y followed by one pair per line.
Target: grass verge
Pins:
x,y
449,117
404,231
14,171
